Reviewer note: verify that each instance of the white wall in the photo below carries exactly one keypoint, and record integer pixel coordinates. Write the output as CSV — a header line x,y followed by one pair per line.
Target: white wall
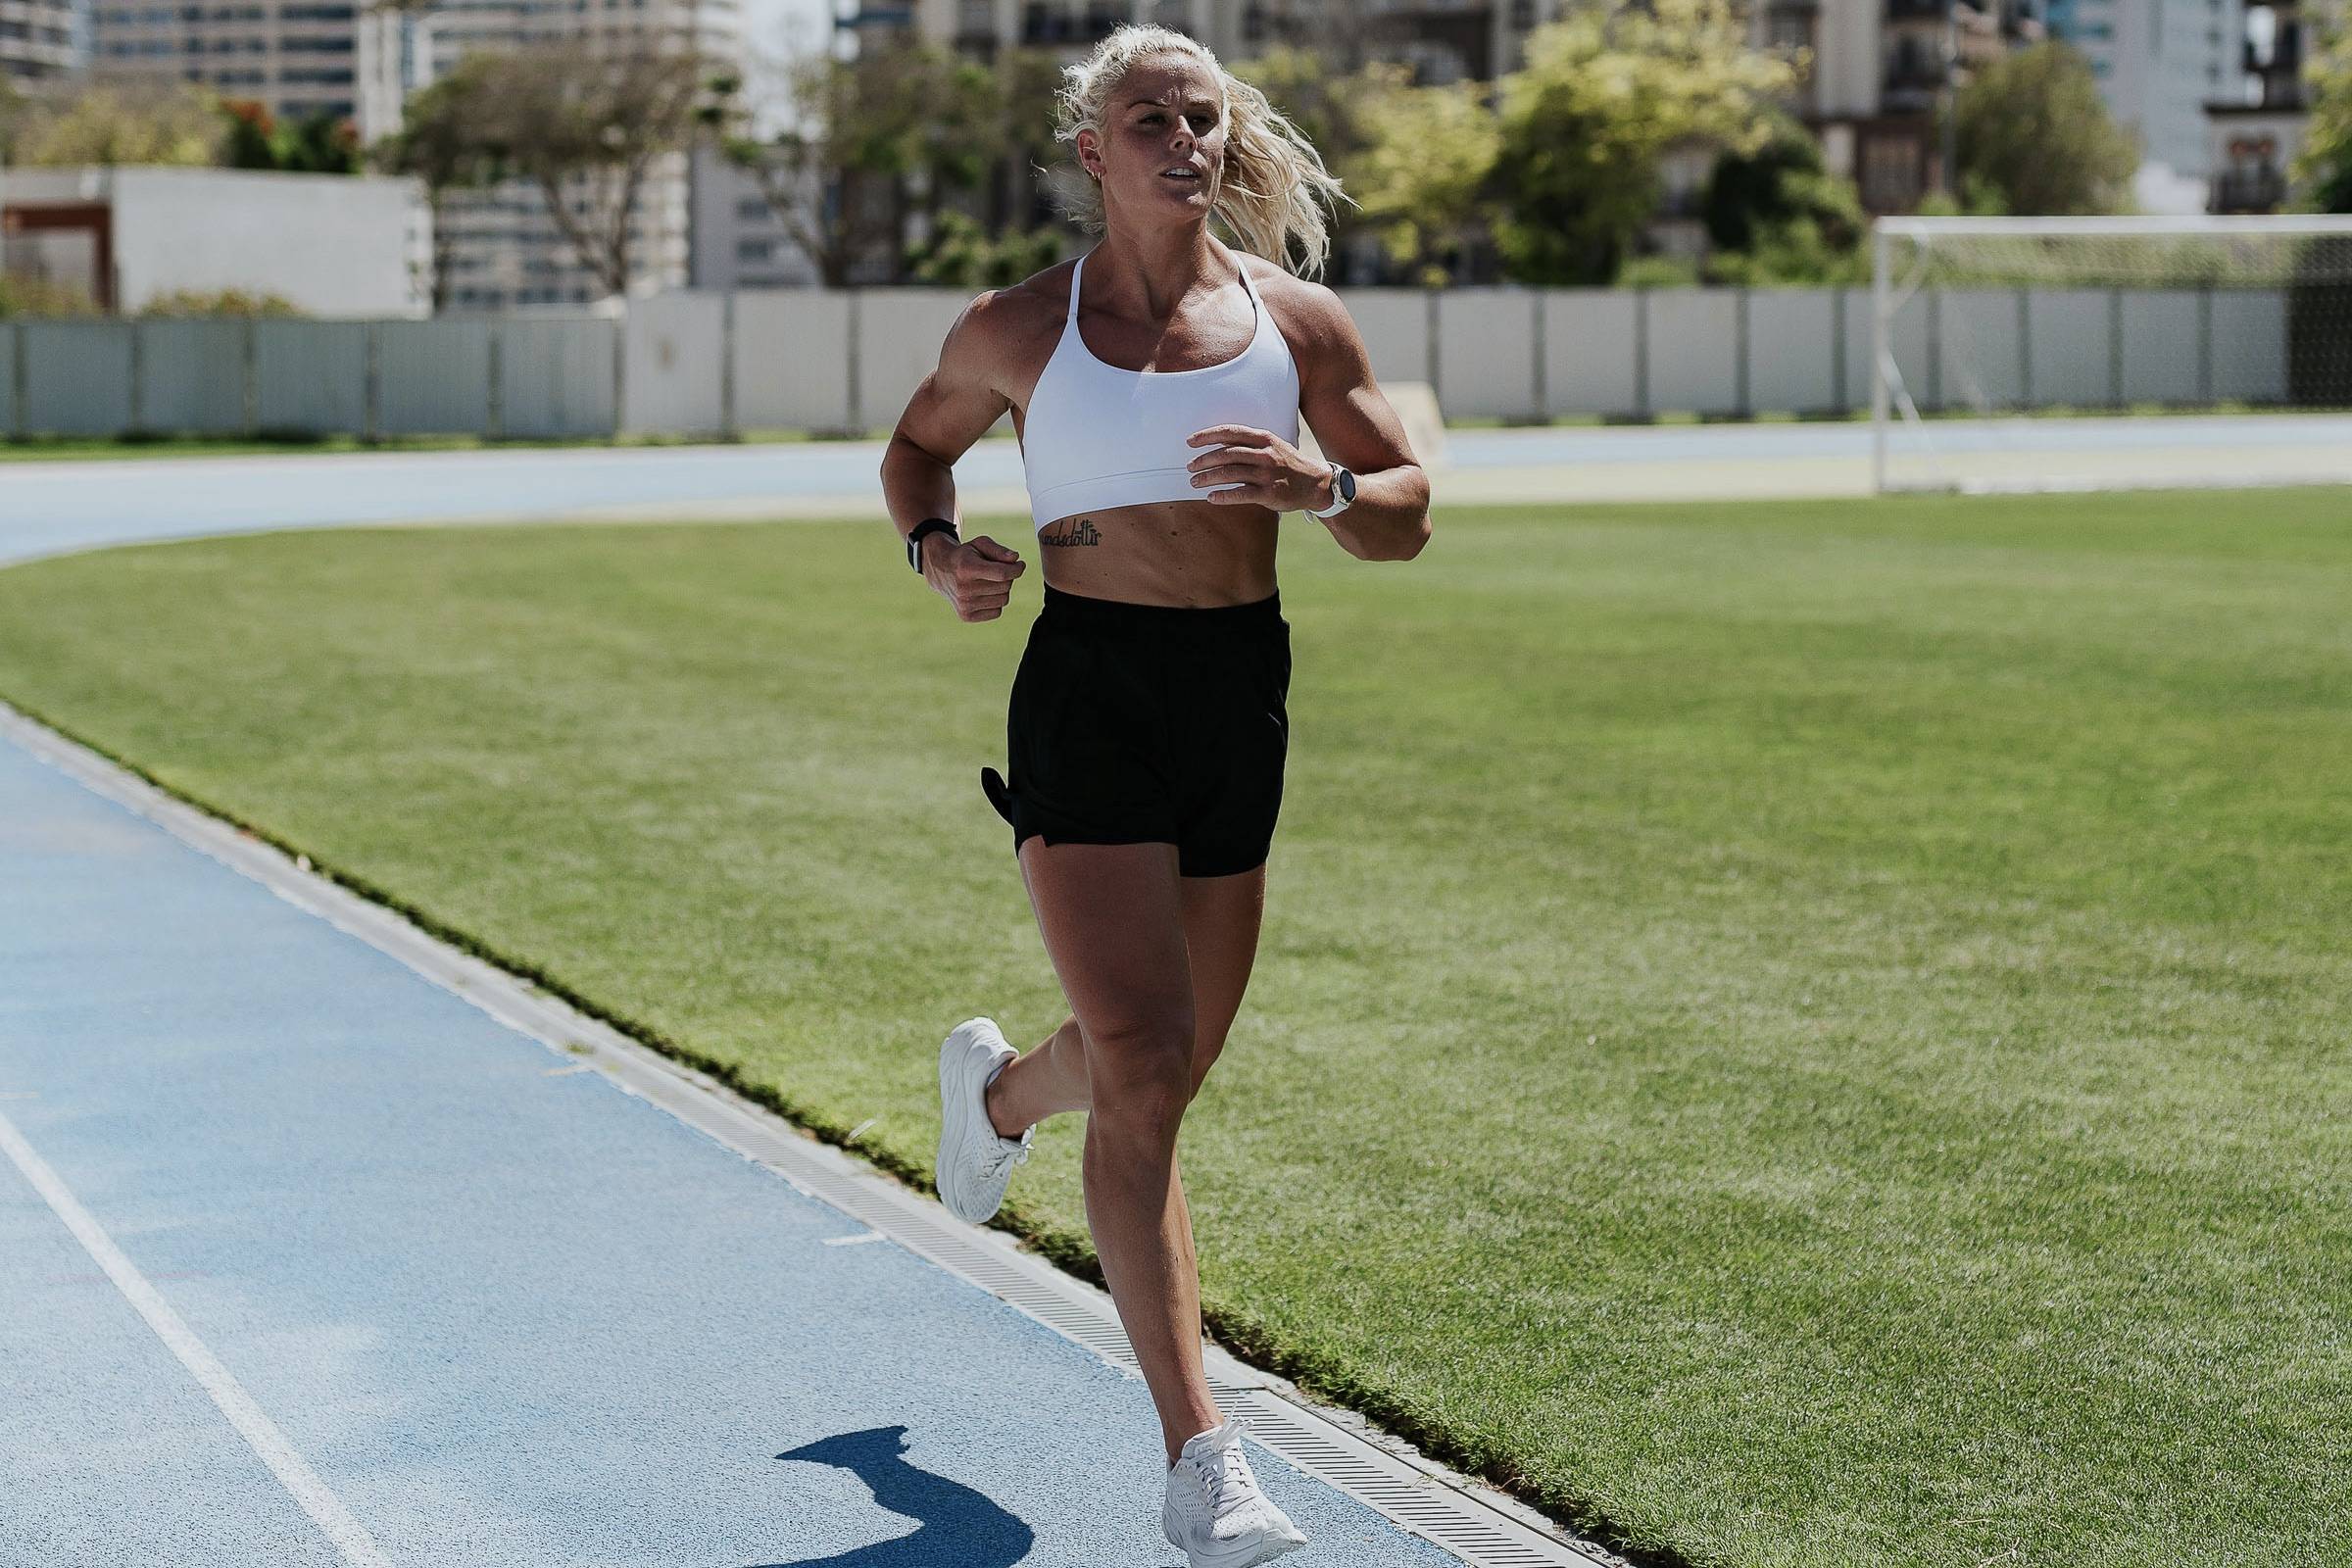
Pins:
x,y
333,244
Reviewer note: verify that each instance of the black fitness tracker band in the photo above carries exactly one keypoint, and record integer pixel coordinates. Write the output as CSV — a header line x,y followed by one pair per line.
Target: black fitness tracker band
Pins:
x,y
914,538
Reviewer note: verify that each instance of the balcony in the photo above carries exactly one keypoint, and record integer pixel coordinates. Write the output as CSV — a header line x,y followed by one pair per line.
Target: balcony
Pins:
x,y
2249,190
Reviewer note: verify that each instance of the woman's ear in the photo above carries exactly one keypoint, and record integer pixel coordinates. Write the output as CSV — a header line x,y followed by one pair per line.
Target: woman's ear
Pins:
x,y
1089,152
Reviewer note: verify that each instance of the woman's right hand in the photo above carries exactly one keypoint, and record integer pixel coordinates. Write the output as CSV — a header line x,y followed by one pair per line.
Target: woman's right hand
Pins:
x,y
976,574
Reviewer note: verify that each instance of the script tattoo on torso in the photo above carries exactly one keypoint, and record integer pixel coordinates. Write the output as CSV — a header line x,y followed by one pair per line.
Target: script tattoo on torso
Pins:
x,y
1077,531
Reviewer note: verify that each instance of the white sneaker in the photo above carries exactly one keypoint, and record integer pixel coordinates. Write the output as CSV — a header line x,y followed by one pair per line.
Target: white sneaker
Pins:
x,y
1214,1513
974,1161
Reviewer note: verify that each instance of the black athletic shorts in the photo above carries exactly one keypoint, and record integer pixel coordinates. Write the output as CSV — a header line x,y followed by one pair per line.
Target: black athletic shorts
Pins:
x,y
1150,724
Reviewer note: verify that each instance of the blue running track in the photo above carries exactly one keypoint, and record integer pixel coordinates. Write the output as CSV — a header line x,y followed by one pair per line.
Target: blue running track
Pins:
x,y
418,1293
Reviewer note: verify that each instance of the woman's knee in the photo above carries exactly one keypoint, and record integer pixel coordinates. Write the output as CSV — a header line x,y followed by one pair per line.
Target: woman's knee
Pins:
x,y
1140,1071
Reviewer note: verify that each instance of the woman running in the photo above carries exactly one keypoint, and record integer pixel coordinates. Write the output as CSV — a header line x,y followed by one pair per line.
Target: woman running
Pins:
x,y
1157,384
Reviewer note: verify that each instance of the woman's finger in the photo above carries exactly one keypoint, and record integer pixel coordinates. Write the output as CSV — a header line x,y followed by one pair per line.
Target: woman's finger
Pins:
x,y
1231,435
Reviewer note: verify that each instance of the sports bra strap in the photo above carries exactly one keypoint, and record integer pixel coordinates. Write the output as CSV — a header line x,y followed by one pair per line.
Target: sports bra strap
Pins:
x,y
1076,267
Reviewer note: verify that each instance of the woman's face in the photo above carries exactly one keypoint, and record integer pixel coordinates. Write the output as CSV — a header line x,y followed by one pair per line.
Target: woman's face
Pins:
x,y
1163,142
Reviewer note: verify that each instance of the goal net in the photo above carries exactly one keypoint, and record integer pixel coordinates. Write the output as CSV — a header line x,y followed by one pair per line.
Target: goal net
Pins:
x,y
2092,352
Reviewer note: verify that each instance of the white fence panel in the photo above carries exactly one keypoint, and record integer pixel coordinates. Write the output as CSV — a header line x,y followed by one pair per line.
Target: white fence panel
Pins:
x,y
76,378
433,377
1487,353
1793,350
556,376
8,376
1589,339
313,375
2161,328
676,358
2069,348
792,359
1394,323
2249,344
1976,363
899,335
1693,345
192,376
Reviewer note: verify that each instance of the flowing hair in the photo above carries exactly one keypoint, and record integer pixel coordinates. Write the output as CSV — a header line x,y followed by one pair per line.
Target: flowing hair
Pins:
x,y
1273,188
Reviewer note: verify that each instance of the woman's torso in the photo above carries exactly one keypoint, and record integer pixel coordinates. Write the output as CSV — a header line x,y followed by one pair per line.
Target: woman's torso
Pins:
x,y
1086,366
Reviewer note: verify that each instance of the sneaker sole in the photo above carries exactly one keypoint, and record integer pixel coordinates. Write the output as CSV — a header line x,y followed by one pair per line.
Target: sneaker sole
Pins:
x,y
959,1061
1243,1556
1240,1555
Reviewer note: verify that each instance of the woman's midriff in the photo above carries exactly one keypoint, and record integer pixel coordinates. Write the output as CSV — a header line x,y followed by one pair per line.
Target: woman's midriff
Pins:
x,y
1166,552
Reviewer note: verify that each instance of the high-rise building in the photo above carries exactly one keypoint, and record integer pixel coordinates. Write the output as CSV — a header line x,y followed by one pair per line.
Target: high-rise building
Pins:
x,y
1443,40
2159,62
38,39
296,57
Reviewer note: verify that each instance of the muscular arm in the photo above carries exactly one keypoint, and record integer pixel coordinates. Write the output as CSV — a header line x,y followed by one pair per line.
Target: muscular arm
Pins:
x,y
1389,520
953,408
1357,428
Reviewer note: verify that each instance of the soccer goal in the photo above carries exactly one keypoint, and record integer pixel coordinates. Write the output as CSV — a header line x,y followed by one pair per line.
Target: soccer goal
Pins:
x,y
2095,353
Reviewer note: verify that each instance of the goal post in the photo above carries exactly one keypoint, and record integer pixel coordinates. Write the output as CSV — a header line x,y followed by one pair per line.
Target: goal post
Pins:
x,y
2092,352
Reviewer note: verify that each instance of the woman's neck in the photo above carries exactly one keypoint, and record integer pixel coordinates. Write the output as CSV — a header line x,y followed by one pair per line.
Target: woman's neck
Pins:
x,y
1153,271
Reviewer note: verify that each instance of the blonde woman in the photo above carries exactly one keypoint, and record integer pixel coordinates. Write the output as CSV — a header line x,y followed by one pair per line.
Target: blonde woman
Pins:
x,y
1156,384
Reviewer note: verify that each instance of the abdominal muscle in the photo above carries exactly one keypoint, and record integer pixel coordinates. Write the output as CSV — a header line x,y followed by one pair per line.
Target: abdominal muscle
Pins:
x,y
1188,553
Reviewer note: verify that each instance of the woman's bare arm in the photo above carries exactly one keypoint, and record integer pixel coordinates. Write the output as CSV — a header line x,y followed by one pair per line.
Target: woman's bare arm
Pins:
x,y
952,409
1389,520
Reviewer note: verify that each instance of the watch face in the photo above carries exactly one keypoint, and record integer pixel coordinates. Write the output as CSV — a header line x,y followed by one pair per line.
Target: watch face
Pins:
x,y
1347,484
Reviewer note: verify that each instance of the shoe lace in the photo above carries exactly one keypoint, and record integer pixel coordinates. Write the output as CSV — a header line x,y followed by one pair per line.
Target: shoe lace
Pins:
x,y
1227,1473
996,1161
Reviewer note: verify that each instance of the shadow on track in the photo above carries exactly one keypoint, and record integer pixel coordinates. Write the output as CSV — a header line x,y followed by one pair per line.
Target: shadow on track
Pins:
x,y
960,1527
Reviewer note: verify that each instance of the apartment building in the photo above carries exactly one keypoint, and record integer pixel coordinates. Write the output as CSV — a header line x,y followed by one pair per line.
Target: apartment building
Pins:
x,y
1443,40
296,57
2255,126
2159,62
1878,71
38,40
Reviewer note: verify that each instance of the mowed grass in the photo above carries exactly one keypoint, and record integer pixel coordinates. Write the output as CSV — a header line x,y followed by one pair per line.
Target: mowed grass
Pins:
x,y
1799,1034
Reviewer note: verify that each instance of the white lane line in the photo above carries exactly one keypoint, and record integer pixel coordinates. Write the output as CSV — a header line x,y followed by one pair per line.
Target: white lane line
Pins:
x,y
323,1507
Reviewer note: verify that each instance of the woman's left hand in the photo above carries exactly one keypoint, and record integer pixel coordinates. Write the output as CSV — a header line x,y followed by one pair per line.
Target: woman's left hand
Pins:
x,y
1259,468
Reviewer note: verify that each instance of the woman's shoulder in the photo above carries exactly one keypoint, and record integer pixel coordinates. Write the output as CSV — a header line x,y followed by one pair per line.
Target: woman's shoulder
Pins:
x,y
1008,324
1312,315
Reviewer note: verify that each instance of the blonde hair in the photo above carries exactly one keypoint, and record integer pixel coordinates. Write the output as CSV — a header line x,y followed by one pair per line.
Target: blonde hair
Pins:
x,y
1273,188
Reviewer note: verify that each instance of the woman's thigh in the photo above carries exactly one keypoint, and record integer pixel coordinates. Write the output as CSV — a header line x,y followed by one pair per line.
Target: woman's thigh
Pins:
x,y
1112,917
1222,915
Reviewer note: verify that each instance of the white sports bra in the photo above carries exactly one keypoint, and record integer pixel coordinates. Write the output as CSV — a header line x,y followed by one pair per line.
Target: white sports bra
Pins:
x,y
1096,436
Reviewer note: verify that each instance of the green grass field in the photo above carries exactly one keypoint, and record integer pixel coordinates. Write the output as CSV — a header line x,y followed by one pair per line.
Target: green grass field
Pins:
x,y
1796,1034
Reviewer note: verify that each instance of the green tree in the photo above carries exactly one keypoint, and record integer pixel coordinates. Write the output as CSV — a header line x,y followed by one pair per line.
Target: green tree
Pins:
x,y
2032,130
1777,215
835,176
120,122
441,141
1422,182
2322,170
1585,126
584,121
963,254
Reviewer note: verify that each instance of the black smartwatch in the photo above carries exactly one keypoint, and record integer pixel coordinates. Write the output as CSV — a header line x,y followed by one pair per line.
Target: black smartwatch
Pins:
x,y
914,538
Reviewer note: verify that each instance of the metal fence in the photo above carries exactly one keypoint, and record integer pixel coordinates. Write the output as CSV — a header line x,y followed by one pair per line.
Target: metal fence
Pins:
x,y
710,363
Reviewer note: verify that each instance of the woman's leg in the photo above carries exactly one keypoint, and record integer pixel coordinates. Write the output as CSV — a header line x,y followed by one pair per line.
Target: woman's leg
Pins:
x,y
1113,919
1221,920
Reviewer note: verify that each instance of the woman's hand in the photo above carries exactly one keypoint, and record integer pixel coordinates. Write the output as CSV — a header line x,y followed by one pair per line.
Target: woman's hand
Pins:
x,y
975,575
1261,469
